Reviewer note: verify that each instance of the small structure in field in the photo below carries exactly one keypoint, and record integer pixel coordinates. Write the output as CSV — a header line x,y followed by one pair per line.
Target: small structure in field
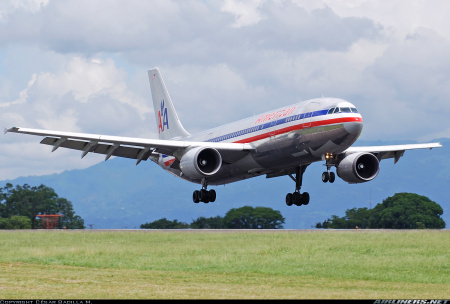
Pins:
x,y
49,221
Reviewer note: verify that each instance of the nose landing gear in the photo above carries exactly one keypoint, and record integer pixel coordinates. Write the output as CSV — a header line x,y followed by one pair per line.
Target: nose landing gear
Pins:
x,y
329,176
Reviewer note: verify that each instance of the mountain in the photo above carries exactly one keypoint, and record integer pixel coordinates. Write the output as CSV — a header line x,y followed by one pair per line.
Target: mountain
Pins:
x,y
119,194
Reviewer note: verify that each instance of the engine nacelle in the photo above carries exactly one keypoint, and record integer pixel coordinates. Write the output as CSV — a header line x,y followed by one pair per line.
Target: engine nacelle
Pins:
x,y
358,168
200,162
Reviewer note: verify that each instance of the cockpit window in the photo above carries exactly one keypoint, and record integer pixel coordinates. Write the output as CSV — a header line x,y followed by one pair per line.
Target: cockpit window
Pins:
x,y
342,110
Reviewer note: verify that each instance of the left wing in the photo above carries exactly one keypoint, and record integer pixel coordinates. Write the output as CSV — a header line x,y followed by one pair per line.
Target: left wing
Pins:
x,y
394,151
135,148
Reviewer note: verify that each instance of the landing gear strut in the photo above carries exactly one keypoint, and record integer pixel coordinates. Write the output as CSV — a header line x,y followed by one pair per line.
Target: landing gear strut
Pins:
x,y
297,198
204,195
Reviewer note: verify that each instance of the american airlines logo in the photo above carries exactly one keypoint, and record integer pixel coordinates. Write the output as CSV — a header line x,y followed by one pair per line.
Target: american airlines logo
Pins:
x,y
163,119
275,115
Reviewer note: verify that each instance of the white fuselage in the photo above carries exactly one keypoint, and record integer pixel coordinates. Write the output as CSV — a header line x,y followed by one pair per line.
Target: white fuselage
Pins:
x,y
285,138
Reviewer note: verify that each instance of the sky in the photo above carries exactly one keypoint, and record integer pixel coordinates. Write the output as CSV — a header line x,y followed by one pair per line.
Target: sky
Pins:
x,y
81,66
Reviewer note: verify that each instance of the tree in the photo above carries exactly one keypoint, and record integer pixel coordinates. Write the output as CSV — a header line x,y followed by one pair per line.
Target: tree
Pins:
x,y
401,211
164,224
15,222
69,219
208,223
353,217
407,211
241,218
5,223
248,217
30,201
20,222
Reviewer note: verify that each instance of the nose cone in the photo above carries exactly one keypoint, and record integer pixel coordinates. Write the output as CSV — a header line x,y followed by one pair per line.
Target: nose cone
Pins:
x,y
354,127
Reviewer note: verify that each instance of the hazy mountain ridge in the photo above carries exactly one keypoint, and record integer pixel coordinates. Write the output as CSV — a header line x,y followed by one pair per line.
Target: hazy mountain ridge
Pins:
x,y
119,194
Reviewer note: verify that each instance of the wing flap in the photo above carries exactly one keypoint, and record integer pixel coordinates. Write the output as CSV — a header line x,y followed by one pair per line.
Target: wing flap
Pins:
x,y
121,151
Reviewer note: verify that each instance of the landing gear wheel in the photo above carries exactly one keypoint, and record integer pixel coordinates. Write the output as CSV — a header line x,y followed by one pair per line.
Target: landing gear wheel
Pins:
x,y
196,196
332,177
212,195
297,198
325,177
305,198
328,177
204,196
289,199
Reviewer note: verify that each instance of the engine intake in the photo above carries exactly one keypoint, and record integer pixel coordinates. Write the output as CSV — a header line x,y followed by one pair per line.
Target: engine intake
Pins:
x,y
200,162
358,168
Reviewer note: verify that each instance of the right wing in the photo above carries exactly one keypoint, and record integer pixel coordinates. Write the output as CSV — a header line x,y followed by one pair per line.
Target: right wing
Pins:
x,y
135,148
394,151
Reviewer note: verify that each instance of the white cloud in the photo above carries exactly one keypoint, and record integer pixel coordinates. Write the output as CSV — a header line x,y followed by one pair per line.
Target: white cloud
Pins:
x,y
400,17
197,92
246,13
57,97
411,82
23,95
83,95
9,7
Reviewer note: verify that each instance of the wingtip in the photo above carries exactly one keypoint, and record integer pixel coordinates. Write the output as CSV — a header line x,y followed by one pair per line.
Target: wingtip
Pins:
x,y
13,129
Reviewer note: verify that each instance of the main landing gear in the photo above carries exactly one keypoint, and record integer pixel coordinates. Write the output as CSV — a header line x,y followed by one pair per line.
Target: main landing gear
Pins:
x,y
204,195
297,198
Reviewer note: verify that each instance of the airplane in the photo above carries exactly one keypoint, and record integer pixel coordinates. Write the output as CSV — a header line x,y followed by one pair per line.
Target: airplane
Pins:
x,y
281,142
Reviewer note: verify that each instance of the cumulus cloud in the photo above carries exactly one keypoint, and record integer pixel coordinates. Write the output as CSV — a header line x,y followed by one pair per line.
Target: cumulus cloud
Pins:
x,y
9,7
197,92
84,95
245,13
58,98
411,82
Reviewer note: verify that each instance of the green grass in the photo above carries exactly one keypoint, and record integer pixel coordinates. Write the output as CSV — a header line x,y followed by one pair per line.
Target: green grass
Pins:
x,y
221,264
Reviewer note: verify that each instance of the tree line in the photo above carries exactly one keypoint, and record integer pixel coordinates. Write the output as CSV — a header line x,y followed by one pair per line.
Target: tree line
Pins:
x,y
246,217
401,211
20,205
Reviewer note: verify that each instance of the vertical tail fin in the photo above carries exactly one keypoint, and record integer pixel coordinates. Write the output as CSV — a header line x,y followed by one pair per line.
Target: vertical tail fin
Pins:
x,y
167,122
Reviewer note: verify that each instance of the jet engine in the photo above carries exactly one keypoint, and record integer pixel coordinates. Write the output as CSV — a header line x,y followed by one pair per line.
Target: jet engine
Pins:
x,y
358,168
200,162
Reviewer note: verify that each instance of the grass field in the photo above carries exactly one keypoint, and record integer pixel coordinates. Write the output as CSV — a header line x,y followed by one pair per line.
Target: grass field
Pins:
x,y
221,264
